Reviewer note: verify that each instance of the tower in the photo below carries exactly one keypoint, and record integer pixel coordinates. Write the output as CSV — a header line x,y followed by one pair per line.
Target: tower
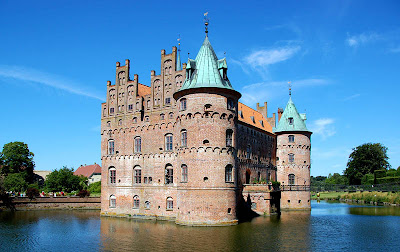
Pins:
x,y
293,158
207,113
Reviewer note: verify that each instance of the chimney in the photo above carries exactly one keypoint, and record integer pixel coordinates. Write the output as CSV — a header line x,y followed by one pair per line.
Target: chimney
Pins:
x,y
280,112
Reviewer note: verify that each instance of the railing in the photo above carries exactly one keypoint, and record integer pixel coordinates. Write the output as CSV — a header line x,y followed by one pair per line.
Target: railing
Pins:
x,y
295,188
392,187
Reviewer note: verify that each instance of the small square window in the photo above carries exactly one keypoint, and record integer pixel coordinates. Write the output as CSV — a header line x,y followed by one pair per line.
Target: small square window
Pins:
x,y
167,101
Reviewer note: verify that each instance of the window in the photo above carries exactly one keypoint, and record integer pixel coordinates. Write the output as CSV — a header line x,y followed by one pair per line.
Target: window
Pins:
x,y
112,174
146,118
134,120
108,124
162,117
110,147
148,104
170,203
137,145
130,107
184,173
150,180
167,101
147,204
291,157
248,152
113,201
290,120
229,135
111,110
137,106
291,138
230,104
137,175
169,175
119,122
136,201
183,138
291,179
183,104
168,142
171,115
228,173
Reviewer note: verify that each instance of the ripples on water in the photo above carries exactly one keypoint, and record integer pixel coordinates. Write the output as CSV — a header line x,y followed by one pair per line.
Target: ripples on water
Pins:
x,y
329,227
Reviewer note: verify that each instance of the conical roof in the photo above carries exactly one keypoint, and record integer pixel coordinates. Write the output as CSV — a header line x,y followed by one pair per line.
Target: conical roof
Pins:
x,y
291,120
206,70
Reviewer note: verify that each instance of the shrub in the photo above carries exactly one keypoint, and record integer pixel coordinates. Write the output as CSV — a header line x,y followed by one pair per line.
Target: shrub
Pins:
x,y
32,193
95,187
83,194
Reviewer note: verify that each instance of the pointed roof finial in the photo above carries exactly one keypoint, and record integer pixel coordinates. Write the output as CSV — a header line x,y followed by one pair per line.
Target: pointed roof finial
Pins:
x,y
290,88
206,22
178,60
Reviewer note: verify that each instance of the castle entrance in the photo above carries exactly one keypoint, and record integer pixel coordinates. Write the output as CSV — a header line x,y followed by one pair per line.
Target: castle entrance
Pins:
x,y
248,172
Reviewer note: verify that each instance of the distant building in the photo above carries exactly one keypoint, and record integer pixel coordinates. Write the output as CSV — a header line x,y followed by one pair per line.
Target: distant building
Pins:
x,y
40,176
92,172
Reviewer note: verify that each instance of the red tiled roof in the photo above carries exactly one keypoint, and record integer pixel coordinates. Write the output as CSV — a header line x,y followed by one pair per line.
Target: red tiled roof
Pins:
x,y
88,170
253,117
143,90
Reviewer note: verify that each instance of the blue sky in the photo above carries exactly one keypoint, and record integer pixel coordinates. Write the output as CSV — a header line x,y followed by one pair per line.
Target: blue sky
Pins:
x,y
342,58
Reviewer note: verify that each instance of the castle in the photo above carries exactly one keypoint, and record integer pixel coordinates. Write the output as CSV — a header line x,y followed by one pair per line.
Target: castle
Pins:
x,y
185,149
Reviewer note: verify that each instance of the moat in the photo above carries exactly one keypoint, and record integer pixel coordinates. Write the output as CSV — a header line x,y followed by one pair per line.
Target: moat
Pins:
x,y
329,227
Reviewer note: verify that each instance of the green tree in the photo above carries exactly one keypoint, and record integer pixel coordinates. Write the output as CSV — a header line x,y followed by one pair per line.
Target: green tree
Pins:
x,y
15,182
16,158
64,180
95,187
366,159
336,179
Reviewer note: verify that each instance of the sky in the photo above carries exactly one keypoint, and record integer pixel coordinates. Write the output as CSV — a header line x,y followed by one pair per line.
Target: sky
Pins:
x,y
342,58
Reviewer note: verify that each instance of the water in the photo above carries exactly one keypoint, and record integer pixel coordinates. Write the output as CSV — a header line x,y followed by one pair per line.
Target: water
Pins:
x,y
329,227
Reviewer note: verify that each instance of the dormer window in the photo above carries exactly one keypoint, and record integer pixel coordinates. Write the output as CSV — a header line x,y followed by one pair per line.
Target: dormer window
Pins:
x,y
290,120
230,104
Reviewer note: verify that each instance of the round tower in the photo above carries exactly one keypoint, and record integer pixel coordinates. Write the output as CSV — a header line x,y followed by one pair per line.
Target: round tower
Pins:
x,y
293,158
207,118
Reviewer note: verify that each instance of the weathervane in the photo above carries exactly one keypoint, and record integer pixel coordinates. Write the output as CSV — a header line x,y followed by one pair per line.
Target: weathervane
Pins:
x,y
206,22
179,43
290,88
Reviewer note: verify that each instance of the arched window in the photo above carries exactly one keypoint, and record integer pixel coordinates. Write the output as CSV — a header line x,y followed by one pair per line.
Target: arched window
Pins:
x,y
291,157
137,148
230,104
168,142
169,174
229,137
136,201
113,201
291,138
111,147
148,104
184,173
290,120
112,174
291,179
120,122
228,173
183,104
170,203
111,111
183,138
147,204
134,120
137,175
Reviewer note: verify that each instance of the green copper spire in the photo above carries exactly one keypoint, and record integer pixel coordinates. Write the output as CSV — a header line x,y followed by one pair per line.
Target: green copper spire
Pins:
x,y
291,120
206,70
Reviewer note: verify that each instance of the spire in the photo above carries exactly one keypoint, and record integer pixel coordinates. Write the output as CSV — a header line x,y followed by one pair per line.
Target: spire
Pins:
x,y
291,120
178,60
290,88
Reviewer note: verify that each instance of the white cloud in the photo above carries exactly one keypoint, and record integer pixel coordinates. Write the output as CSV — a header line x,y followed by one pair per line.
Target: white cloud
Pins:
x,y
351,97
263,91
264,58
363,38
47,79
395,50
323,127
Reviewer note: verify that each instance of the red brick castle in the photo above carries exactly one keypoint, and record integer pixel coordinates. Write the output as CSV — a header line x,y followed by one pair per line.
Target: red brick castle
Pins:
x,y
185,149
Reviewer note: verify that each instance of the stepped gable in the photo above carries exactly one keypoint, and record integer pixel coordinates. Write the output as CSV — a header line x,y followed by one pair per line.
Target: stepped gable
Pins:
x,y
88,170
296,123
252,117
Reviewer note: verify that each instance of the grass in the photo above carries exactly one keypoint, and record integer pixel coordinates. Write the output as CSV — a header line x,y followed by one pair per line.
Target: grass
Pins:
x,y
327,195
388,197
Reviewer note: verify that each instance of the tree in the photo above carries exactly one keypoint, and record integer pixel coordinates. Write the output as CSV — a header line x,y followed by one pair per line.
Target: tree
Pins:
x,y
336,179
15,182
64,180
16,158
366,159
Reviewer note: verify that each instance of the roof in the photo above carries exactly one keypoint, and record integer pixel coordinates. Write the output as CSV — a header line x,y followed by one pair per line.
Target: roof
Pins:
x,y
253,117
206,70
298,121
143,90
88,170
